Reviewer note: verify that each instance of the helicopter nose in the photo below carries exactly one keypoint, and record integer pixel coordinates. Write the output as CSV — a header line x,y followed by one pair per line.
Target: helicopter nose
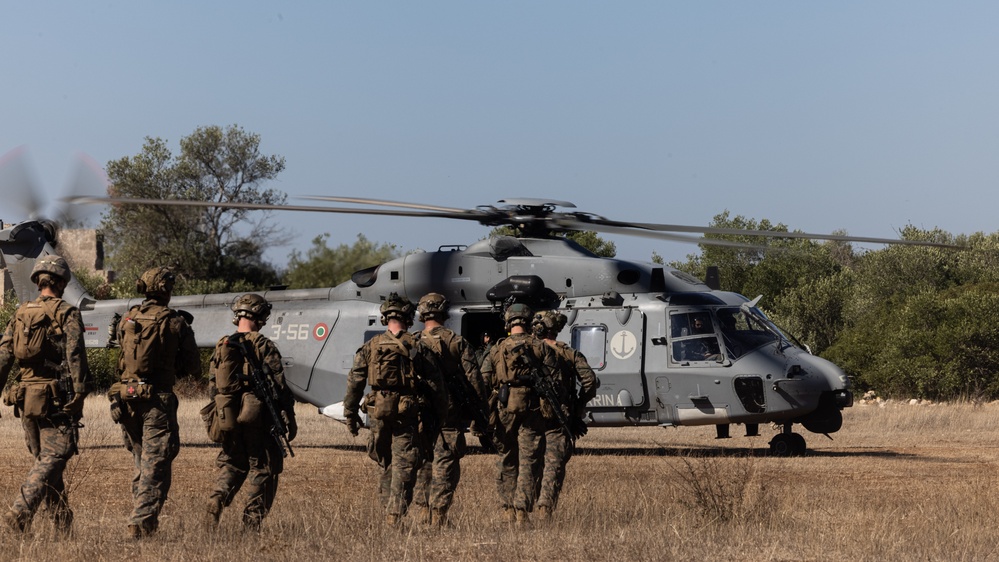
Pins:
x,y
834,379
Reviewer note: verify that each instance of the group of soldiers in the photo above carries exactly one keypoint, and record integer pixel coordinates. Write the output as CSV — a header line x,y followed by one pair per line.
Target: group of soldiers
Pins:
x,y
157,346
426,388
524,396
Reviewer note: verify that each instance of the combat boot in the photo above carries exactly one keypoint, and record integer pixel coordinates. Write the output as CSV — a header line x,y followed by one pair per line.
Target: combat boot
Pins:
x,y
63,521
392,519
438,518
523,521
544,512
16,521
423,515
134,532
252,522
509,515
213,514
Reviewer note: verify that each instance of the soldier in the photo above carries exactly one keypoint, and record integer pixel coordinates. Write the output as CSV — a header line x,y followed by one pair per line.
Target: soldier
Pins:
x,y
157,347
248,446
511,364
406,393
46,338
572,367
436,481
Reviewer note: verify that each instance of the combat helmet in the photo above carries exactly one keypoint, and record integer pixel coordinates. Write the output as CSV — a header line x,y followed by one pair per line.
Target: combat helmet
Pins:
x,y
433,306
518,314
51,264
252,306
397,307
156,282
545,323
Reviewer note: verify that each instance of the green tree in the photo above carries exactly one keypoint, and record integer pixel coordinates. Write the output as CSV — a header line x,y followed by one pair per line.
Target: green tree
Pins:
x,y
206,243
322,266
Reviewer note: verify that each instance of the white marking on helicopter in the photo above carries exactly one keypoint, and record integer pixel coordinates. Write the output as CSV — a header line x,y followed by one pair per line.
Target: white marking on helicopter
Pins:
x,y
461,279
623,344
292,331
604,401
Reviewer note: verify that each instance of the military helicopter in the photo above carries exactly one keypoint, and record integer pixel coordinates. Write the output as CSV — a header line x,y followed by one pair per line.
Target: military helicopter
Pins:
x,y
669,350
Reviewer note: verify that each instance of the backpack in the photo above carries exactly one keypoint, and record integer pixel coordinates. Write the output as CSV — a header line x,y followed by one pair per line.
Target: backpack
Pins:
x,y
510,368
142,342
34,330
229,364
390,365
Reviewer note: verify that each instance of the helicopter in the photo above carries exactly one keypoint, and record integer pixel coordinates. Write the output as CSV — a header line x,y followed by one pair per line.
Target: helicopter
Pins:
x,y
669,350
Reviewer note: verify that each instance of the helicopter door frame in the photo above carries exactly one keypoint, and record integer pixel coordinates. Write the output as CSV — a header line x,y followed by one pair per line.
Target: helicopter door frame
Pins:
x,y
622,370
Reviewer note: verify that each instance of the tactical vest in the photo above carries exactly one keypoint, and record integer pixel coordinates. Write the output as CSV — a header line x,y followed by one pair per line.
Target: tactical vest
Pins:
x,y
37,335
230,364
390,363
143,343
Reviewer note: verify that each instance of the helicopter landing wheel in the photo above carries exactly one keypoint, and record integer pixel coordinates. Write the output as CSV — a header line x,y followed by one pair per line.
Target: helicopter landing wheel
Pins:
x,y
787,444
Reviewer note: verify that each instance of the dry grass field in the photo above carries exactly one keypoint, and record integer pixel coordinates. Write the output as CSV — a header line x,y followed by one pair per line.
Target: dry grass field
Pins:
x,y
898,482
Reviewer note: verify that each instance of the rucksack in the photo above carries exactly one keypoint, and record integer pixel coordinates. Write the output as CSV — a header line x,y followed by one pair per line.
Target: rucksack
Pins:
x,y
229,362
390,365
511,368
34,330
142,342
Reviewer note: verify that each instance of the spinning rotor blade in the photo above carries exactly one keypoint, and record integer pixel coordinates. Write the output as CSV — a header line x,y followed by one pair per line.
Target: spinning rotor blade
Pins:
x,y
383,202
19,184
627,231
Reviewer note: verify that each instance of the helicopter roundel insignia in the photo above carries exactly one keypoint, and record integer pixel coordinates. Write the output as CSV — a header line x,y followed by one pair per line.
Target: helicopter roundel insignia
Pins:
x,y
320,331
623,344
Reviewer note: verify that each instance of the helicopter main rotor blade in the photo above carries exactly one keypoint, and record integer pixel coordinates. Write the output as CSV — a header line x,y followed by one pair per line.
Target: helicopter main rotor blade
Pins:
x,y
87,200
384,202
657,235
769,233
20,186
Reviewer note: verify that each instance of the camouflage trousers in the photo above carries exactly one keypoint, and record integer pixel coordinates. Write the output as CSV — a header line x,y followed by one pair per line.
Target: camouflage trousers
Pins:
x,y
52,444
249,455
396,446
151,433
558,450
438,478
518,440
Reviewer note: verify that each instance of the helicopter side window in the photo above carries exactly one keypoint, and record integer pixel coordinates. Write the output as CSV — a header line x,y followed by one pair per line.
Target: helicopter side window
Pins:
x,y
741,332
591,341
694,338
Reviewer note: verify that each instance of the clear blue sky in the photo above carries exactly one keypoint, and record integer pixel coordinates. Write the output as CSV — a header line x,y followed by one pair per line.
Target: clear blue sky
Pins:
x,y
864,116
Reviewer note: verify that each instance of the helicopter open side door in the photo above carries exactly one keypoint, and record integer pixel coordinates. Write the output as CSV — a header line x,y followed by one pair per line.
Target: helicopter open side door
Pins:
x,y
612,341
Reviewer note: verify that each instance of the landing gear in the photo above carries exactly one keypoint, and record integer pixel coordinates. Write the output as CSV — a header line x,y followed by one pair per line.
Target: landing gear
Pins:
x,y
787,444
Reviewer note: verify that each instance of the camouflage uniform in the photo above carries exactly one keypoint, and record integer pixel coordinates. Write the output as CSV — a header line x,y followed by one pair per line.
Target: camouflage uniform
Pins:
x,y
436,481
572,367
397,443
149,427
250,451
520,424
51,439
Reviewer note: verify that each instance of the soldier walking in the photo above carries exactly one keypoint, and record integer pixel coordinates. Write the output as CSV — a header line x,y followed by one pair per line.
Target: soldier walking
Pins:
x,y
438,478
509,369
406,403
559,441
157,347
46,338
245,373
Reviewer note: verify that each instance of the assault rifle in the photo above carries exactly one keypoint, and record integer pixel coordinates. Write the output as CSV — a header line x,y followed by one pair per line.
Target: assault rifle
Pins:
x,y
461,392
264,389
545,386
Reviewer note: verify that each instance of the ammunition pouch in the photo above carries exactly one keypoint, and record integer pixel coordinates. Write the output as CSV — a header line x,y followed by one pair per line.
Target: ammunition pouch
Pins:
x,y
209,416
251,411
227,407
382,404
40,399
409,406
520,400
10,393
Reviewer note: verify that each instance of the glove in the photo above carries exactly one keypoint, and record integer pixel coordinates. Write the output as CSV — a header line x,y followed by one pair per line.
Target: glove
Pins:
x,y
75,406
291,424
353,424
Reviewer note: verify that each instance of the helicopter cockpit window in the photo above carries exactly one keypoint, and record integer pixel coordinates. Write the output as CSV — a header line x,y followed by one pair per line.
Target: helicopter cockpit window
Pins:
x,y
741,331
591,342
694,339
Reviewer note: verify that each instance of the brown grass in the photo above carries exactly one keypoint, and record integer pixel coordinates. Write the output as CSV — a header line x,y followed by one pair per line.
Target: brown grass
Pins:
x,y
898,483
